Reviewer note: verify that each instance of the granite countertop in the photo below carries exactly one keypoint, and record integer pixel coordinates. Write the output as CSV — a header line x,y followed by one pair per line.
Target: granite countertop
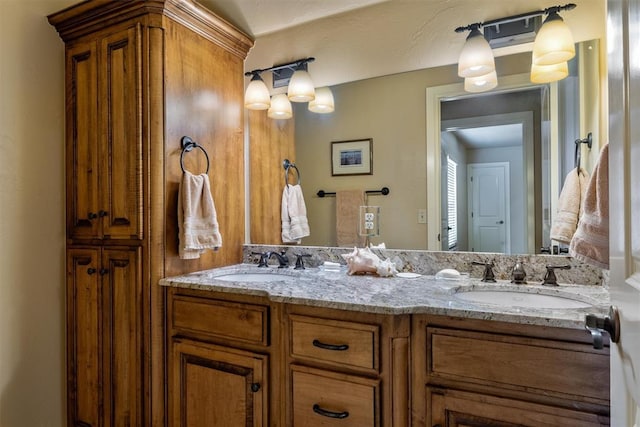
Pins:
x,y
395,295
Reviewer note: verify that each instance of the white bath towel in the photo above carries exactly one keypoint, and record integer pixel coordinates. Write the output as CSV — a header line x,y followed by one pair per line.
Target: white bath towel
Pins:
x,y
197,218
570,206
590,243
295,225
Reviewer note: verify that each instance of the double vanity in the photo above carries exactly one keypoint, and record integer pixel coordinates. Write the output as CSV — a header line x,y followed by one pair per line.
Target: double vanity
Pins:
x,y
317,347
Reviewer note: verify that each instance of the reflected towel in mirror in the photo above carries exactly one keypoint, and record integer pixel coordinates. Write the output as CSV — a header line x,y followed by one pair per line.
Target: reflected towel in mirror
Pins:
x,y
348,204
295,225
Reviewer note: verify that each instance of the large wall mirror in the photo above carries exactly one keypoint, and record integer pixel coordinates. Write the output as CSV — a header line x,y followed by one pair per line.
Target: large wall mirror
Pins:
x,y
411,116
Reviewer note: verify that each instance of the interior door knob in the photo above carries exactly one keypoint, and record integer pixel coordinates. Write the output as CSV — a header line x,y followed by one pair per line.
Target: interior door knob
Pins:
x,y
500,222
597,324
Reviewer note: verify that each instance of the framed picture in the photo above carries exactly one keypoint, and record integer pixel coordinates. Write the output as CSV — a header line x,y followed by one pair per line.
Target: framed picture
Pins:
x,y
353,157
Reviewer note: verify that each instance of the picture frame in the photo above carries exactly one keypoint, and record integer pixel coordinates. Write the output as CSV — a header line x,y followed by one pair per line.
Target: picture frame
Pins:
x,y
352,157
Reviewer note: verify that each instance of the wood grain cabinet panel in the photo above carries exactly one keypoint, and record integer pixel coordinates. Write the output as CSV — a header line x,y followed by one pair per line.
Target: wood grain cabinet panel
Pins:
x,y
247,323
346,343
217,386
512,361
454,408
323,398
103,331
104,151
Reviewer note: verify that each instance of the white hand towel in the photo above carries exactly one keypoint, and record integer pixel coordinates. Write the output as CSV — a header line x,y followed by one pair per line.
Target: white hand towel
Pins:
x,y
294,215
197,218
570,206
590,243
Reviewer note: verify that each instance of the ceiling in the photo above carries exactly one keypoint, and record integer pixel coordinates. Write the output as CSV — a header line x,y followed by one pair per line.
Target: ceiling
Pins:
x,y
490,136
359,39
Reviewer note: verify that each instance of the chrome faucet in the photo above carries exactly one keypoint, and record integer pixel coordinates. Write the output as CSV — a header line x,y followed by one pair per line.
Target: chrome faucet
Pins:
x,y
283,260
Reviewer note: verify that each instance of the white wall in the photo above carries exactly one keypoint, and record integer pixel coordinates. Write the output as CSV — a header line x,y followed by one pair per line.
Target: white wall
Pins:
x,y
32,369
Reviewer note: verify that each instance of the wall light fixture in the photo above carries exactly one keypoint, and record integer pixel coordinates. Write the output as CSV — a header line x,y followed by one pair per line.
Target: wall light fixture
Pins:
x,y
553,47
300,88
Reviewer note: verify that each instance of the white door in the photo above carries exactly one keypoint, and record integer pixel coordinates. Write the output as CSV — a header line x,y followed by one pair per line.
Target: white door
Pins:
x,y
624,206
489,201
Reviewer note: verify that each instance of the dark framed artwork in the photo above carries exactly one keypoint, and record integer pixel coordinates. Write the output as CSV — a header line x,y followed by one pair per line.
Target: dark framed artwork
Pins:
x,y
353,157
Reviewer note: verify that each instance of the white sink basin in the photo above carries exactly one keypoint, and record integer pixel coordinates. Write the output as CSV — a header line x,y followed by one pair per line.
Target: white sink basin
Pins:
x,y
254,277
519,299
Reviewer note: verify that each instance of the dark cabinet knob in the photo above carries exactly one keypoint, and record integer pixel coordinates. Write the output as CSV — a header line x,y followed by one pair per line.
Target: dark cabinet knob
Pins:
x,y
102,213
91,270
103,271
255,387
92,215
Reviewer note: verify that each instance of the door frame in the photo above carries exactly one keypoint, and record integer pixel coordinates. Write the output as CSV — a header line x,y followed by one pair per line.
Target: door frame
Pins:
x,y
434,96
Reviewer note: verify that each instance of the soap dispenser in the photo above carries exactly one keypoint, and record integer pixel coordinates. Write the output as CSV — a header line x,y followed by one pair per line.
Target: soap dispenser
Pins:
x,y
518,274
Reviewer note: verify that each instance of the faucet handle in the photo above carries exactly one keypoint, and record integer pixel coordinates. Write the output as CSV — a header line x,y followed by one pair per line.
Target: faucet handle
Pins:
x,y
550,276
518,275
487,275
300,262
264,258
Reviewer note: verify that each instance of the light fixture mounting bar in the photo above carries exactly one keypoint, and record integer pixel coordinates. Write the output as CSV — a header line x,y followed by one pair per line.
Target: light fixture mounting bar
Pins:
x,y
513,18
290,66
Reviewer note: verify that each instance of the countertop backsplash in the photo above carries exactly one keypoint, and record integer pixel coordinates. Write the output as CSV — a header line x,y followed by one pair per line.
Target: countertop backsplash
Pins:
x,y
430,262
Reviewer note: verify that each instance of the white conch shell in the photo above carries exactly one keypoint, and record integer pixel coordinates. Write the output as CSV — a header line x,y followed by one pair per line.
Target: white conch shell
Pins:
x,y
365,261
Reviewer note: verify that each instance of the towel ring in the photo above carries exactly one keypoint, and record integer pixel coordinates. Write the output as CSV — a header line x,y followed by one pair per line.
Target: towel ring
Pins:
x,y
286,164
189,144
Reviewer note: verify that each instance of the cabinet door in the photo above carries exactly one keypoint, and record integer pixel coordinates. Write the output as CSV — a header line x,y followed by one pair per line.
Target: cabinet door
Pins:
x,y
120,131
122,313
82,143
84,346
217,386
453,408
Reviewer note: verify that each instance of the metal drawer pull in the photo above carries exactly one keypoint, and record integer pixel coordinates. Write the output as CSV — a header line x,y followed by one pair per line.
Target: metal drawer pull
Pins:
x,y
341,347
339,415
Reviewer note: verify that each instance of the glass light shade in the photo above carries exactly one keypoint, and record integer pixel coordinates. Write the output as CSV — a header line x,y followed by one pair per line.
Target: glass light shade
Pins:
x,y
257,97
554,42
476,57
323,103
280,107
301,87
549,73
481,83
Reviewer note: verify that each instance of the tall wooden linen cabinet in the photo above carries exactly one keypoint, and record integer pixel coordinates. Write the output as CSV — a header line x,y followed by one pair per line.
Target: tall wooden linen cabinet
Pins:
x,y
140,75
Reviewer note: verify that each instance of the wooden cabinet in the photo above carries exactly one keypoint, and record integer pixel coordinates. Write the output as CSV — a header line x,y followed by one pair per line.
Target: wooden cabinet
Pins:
x,y
346,368
104,330
220,362
104,153
140,75
455,408
217,386
489,373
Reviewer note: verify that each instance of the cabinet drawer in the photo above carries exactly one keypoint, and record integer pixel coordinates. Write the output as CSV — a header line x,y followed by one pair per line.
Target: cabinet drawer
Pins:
x,y
345,343
518,362
322,398
235,321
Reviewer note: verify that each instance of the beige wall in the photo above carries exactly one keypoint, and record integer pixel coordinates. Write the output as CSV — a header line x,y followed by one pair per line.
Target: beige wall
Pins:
x,y
32,370
392,111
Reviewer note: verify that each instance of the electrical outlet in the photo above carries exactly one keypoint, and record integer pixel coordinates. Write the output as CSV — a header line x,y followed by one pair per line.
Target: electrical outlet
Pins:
x,y
422,216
